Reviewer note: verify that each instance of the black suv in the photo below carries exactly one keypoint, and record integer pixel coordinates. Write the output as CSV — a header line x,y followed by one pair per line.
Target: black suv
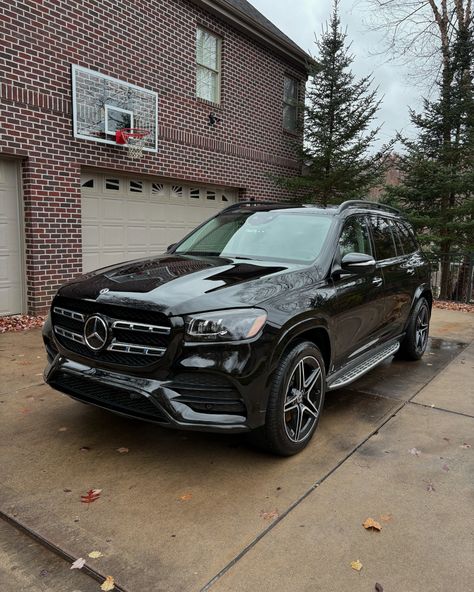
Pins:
x,y
247,322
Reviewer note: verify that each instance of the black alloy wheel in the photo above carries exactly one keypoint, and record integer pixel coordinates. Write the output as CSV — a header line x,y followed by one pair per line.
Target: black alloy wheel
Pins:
x,y
296,400
414,344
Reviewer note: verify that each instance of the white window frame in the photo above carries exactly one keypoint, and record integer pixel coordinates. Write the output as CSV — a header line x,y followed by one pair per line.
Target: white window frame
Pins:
x,y
74,70
219,66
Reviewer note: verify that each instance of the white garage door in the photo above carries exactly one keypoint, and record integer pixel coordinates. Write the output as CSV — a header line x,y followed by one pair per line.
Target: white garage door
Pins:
x,y
127,217
11,275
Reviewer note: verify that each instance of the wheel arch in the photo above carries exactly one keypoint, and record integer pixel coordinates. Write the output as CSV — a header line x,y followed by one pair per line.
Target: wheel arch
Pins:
x,y
317,334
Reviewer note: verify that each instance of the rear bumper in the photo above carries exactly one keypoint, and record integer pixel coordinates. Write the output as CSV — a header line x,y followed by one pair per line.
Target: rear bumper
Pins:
x,y
149,399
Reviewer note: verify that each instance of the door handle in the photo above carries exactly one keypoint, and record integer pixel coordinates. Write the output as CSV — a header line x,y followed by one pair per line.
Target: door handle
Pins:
x,y
377,281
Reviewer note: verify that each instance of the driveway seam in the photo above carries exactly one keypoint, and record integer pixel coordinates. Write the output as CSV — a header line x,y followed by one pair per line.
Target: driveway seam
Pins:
x,y
306,494
441,409
92,573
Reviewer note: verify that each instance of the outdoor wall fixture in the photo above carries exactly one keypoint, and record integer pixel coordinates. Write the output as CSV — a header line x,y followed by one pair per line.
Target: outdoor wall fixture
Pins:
x,y
213,119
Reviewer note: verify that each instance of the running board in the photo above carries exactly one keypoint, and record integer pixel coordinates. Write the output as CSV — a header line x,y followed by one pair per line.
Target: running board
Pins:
x,y
365,366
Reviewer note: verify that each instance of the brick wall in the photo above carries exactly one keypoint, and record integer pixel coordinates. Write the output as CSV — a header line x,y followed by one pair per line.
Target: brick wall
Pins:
x,y
150,43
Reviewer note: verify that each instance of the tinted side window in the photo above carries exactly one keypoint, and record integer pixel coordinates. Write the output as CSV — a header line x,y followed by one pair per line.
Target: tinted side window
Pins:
x,y
397,237
383,239
355,237
408,241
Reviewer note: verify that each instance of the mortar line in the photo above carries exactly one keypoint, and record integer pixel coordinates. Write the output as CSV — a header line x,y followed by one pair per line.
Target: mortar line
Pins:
x,y
313,487
91,572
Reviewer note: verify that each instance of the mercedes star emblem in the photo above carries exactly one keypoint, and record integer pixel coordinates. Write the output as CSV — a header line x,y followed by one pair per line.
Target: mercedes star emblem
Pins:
x,y
95,333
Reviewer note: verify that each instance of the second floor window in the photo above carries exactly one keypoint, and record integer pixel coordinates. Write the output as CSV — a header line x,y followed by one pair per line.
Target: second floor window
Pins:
x,y
208,66
290,104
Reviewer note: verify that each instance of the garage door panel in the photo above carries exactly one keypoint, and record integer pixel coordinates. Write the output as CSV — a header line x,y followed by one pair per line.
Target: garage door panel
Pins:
x,y
121,224
112,236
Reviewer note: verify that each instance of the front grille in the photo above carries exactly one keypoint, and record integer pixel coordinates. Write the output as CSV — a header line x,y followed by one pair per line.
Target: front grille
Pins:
x,y
104,395
136,337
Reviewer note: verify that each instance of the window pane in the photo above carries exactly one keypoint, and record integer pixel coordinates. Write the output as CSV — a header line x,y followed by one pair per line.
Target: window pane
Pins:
x,y
384,245
289,117
290,92
207,84
355,238
207,49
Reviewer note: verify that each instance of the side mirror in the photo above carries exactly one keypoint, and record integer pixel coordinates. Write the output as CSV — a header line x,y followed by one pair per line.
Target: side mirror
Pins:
x,y
358,263
169,247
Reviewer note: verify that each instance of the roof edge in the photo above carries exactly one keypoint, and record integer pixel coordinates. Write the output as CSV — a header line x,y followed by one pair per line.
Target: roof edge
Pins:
x,y
246,24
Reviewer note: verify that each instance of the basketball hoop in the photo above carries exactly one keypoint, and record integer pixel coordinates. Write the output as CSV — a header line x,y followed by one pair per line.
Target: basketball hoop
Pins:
x,y
135,138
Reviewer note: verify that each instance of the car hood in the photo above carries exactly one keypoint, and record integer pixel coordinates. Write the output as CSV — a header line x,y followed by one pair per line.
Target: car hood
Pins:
x,y
177,285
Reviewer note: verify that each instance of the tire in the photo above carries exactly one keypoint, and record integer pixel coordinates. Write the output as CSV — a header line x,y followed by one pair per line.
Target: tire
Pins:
x,y
292,412
415,341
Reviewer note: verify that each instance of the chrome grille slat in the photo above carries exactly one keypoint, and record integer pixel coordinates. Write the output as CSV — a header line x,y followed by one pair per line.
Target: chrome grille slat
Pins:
x,y
70,314
136,337
128,326
69,334
133,348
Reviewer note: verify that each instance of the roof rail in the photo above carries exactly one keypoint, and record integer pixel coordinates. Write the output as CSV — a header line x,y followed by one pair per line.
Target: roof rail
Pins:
x,y
371,205
258,204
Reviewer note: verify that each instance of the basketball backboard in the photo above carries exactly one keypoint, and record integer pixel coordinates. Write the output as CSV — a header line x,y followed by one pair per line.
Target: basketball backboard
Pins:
x,y
102,105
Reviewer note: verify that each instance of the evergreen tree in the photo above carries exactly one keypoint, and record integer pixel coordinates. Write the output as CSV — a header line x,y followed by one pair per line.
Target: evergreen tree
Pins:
x,y
437,188
338,113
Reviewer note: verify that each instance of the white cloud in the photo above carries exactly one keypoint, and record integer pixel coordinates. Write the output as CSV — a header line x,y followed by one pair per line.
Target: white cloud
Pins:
x,y
302,19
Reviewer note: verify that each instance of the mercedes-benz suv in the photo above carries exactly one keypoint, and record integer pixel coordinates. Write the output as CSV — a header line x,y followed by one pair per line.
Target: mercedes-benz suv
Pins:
x,y
247,322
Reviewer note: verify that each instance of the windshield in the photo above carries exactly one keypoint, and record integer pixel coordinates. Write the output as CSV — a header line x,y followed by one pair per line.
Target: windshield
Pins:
x,y
273,235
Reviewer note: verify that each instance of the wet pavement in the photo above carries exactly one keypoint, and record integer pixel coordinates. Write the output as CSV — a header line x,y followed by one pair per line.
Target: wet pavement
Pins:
x,y
178,510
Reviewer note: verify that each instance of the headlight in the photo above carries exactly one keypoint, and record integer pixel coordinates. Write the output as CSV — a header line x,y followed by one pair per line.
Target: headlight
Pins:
x,y
225,325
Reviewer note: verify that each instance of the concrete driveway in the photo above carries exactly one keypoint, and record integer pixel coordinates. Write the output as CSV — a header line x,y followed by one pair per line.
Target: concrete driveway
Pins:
x,y
188,512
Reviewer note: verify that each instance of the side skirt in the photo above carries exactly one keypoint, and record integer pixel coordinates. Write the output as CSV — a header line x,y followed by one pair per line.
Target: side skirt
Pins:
x,y
361,365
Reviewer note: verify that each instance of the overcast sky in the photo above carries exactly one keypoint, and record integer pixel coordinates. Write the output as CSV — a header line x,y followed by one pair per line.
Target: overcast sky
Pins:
x,y
301,19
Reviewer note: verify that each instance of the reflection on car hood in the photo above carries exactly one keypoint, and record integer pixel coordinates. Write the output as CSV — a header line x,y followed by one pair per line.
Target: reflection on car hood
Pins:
x,y
177,284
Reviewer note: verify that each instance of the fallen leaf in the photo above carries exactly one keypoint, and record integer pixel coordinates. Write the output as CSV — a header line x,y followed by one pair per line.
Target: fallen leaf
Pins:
x,y
91,496
447,439
84,448
357,565
108,584
122,450
445,467
44,573
62,430
78,564
25,410
269,515
430,486
415,451
386,517
370,523
185,497
465,446
95,554
67,490
378,587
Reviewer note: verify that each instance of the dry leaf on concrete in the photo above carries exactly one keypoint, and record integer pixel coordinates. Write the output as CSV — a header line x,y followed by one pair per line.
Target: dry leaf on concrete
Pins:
x,y
78,564
269,515
378,587
108,584
95,554
122,450
185,497
357,565
415,451
371,524
465,446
